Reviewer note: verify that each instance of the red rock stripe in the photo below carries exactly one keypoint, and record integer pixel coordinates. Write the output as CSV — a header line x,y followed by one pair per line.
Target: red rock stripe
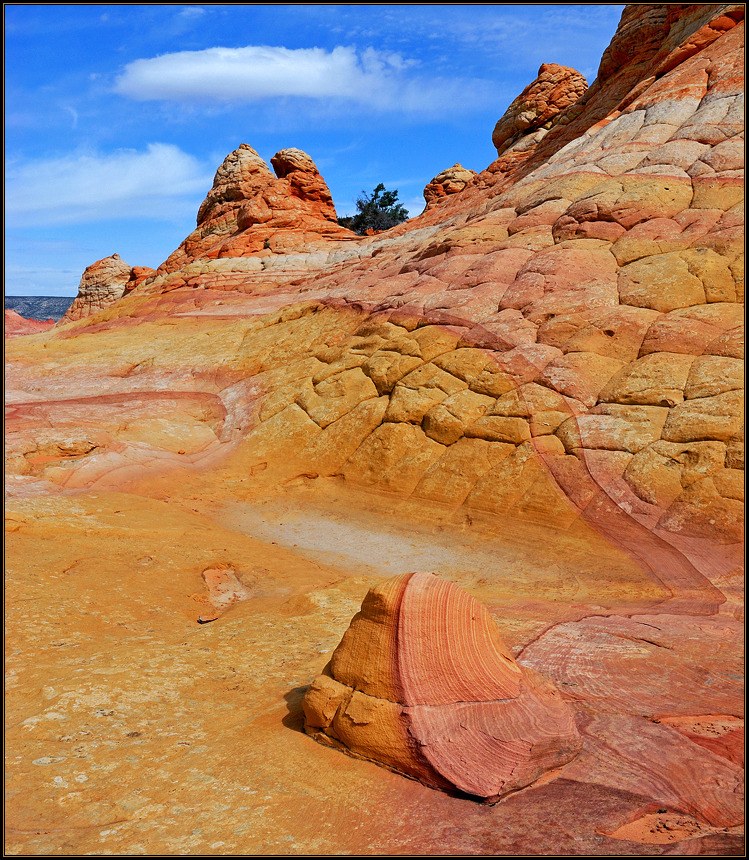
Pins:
x,y
449,647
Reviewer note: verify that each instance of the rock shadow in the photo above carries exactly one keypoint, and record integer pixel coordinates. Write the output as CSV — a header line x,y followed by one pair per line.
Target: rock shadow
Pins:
x,y
294,719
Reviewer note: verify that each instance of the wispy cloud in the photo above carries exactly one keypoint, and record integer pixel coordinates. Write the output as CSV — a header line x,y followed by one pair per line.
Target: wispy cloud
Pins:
x,y
377,79
191,12
567,33
158,183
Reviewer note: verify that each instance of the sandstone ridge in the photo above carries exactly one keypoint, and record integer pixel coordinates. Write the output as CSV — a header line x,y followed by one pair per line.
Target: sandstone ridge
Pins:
x,y
17,325
577,335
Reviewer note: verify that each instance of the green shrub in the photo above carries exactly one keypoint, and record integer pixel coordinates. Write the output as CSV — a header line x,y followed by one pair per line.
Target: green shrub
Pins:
x,y
380,211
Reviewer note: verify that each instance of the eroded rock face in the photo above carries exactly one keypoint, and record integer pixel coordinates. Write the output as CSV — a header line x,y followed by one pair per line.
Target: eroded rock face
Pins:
x,y
251,212
449,181
423,683
561,324
539,106
305,182
102,283
551,358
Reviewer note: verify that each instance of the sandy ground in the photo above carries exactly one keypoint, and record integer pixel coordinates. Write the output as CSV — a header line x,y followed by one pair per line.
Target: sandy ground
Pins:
x,y
134,729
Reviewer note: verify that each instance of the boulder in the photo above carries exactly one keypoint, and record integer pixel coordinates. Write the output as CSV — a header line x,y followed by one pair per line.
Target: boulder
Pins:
x,y
102,283
540,104
449,181
423,684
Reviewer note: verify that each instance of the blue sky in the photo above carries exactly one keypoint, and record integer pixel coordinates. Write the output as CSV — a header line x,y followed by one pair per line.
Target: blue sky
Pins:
x,y
118,116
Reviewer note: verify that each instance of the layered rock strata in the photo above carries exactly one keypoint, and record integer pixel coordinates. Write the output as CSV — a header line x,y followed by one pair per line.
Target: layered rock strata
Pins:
x,y
449,181
103,283
423,683
17,325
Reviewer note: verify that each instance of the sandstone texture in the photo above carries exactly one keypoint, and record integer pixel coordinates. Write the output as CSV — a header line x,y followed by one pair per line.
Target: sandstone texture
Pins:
x,y
423,683
103,283
535,389
17,325
539,106
250,213
449,181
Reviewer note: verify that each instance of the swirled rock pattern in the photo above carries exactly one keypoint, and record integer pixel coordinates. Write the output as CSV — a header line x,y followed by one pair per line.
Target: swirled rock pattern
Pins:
x,y
423,683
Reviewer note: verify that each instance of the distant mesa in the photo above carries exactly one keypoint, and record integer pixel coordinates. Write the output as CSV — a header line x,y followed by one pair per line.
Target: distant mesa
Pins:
x,y
423,684
449,181
102,283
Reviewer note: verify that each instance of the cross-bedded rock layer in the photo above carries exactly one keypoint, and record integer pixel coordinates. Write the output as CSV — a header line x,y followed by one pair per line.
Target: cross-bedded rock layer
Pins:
x,y
423,683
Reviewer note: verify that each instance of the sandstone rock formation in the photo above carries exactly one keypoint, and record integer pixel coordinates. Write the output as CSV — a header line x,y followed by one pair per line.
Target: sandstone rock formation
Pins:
x,y
249,212
423,683
103,283
541,104
541,376
449,181
17,325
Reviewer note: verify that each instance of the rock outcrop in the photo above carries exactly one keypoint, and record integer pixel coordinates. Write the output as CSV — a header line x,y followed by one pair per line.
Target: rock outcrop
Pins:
x,y
579,320
423,683
537,384
17,325
102,283
449,181
541,105
250,212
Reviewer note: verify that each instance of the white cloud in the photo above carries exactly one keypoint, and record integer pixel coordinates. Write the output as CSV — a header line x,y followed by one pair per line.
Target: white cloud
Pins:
x,y
378,79
160,183
191,12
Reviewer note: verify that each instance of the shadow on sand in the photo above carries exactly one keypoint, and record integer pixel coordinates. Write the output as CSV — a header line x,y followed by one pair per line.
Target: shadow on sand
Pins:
x,y
294,719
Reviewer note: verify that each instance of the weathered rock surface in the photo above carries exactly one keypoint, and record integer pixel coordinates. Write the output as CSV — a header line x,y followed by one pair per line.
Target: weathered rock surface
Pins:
x,y
423,683
103,283
449,181
539,106
17,325
249,212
